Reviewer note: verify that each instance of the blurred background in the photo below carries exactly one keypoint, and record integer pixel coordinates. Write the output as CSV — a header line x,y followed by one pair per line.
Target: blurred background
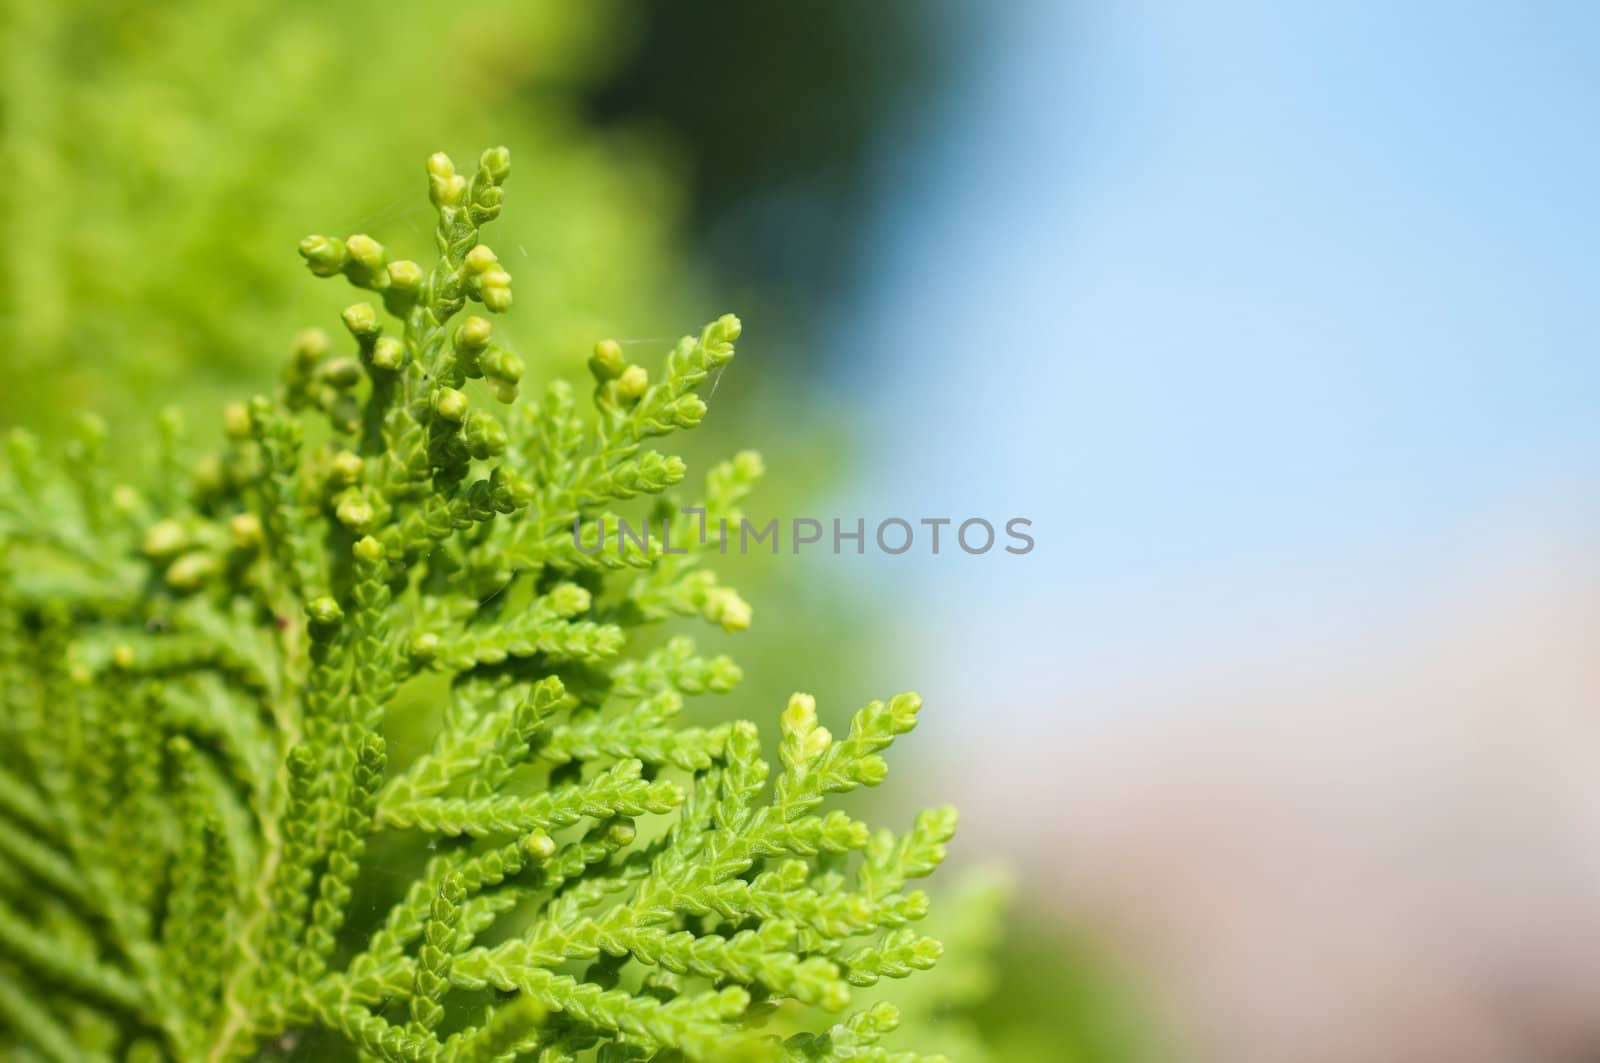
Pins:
x,y
1276,320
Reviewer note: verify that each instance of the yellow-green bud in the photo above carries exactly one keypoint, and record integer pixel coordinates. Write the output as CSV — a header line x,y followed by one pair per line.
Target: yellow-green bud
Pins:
x,y
622,833
236,420
569,599
800,715
497,300
481,258
688,411
309,345
496,162
246,529
732,612
388,353
500,364
539,845
473,335
191,570
425,647
206,473
122,656
165,538
486,205
342,372
346,466
903,709
444,185
405,275
749,465
816,743
124,499
511,491
324,255
718,339
607,362
366,251
450,404
324,610
633,382
361,319
368,550
485,436
870,771
354,513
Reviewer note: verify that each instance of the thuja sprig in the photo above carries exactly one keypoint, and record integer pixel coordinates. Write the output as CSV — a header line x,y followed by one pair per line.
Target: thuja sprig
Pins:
x,y
196,676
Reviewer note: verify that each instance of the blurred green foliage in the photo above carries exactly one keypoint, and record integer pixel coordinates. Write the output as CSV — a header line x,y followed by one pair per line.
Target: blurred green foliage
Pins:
x,y
1056,997
162,160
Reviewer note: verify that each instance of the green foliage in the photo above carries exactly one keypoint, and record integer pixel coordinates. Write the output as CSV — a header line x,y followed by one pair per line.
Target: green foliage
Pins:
x,y
159,156
198,801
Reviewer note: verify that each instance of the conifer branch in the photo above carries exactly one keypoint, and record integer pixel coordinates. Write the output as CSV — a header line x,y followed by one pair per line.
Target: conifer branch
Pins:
x,y
197,676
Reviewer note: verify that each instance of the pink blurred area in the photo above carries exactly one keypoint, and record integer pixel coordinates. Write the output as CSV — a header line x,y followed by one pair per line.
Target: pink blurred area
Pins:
x,y
1378,848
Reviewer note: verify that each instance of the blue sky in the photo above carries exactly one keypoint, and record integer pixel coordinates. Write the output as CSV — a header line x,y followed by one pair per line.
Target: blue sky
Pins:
x,y
1262,312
